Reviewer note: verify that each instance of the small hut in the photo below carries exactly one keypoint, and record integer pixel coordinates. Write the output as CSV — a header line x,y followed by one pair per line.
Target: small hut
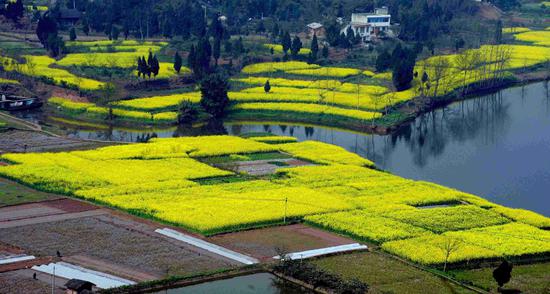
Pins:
x,y
76,286
315,28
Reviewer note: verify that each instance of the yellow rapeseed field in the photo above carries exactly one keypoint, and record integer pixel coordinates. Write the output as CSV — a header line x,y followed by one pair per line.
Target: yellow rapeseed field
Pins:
x,y
40,66
339,192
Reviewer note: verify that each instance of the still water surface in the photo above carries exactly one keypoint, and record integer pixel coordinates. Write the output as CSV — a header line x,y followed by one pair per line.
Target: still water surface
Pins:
x,y
496,146
252,284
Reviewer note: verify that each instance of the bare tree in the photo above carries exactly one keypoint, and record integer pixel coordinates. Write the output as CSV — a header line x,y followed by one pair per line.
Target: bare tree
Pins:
x,y
450,246
440,70
466,62
108,92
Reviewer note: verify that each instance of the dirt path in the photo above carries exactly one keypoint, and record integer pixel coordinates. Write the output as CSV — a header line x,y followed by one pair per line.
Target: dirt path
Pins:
x,y
50,218
265,243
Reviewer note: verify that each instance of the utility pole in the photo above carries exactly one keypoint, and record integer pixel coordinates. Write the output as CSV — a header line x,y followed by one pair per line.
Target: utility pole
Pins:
x,y
286,204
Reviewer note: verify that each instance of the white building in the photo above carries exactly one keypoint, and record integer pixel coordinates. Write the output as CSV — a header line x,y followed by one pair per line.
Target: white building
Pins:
x,y
369,25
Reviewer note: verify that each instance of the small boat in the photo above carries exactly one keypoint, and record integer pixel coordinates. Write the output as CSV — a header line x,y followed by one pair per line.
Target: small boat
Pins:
x,y
13,103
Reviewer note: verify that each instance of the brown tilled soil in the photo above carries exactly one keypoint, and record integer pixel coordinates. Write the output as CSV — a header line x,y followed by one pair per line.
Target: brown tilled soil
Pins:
x,y
21,281
264,243
30,141
69,205
118,242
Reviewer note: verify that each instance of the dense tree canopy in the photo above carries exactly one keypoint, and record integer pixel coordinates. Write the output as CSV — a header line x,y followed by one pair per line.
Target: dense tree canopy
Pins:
x,y
420,20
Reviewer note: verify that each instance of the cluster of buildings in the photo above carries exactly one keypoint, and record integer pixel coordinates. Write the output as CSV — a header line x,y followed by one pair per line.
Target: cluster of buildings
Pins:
x,y
368,26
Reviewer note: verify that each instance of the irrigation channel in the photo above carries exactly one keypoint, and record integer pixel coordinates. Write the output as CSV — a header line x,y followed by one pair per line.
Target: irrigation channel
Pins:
x,y
496,146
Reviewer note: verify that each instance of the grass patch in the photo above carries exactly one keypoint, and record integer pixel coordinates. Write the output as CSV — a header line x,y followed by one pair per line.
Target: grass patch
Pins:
x,y
529,278
224,180
385,274
249,157
12,193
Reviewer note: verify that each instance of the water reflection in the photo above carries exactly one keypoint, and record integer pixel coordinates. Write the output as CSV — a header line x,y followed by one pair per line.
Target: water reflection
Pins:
x,y
494,146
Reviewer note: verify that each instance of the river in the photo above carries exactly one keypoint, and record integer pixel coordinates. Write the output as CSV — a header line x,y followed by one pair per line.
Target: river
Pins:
x,y
496,146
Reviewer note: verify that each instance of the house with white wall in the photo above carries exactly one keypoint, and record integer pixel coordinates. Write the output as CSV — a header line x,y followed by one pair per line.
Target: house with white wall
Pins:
x,y
372,24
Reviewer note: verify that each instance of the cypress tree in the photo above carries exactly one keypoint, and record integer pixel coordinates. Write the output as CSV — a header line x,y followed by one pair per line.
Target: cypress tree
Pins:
x,y
383,61
314,47
177,62
325,52
72,34
286,42
296,46
498,33
191,58
267,86
217,49
155,67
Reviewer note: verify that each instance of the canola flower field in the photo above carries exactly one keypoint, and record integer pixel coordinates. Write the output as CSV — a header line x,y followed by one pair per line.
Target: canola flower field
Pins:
x,y
327,95
106,54
340,192
94,112
40,66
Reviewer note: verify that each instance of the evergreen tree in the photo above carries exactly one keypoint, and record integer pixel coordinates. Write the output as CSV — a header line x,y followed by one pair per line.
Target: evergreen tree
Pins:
x,y
267,86
214,97
383,61
239,46
115,33
155,67
216,50
333,34
72,34
150,60
503,273
296,46
403,68
498,32
228,47
191,57
14,10
314,47
46,26
325,52
275,31
216,28
139,67
261,27
177,62
286,42
188,112
459,43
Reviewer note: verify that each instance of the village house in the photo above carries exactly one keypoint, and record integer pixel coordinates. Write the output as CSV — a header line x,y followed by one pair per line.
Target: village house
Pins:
x,y
68,17
370,25
315,28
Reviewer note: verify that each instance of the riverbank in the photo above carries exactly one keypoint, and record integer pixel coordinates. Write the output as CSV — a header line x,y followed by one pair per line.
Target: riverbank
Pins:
x,y
396,117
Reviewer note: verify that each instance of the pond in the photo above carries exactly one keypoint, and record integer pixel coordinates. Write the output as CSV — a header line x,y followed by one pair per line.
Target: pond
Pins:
x,y
262,283
496,146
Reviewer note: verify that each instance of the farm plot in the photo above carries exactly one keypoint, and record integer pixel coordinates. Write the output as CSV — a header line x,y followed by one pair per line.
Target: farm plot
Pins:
x,y
132,249
341,193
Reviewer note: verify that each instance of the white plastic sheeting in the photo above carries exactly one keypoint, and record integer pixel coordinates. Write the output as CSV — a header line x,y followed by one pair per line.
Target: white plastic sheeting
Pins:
x,y
71,271
207,246
323,251
15,258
